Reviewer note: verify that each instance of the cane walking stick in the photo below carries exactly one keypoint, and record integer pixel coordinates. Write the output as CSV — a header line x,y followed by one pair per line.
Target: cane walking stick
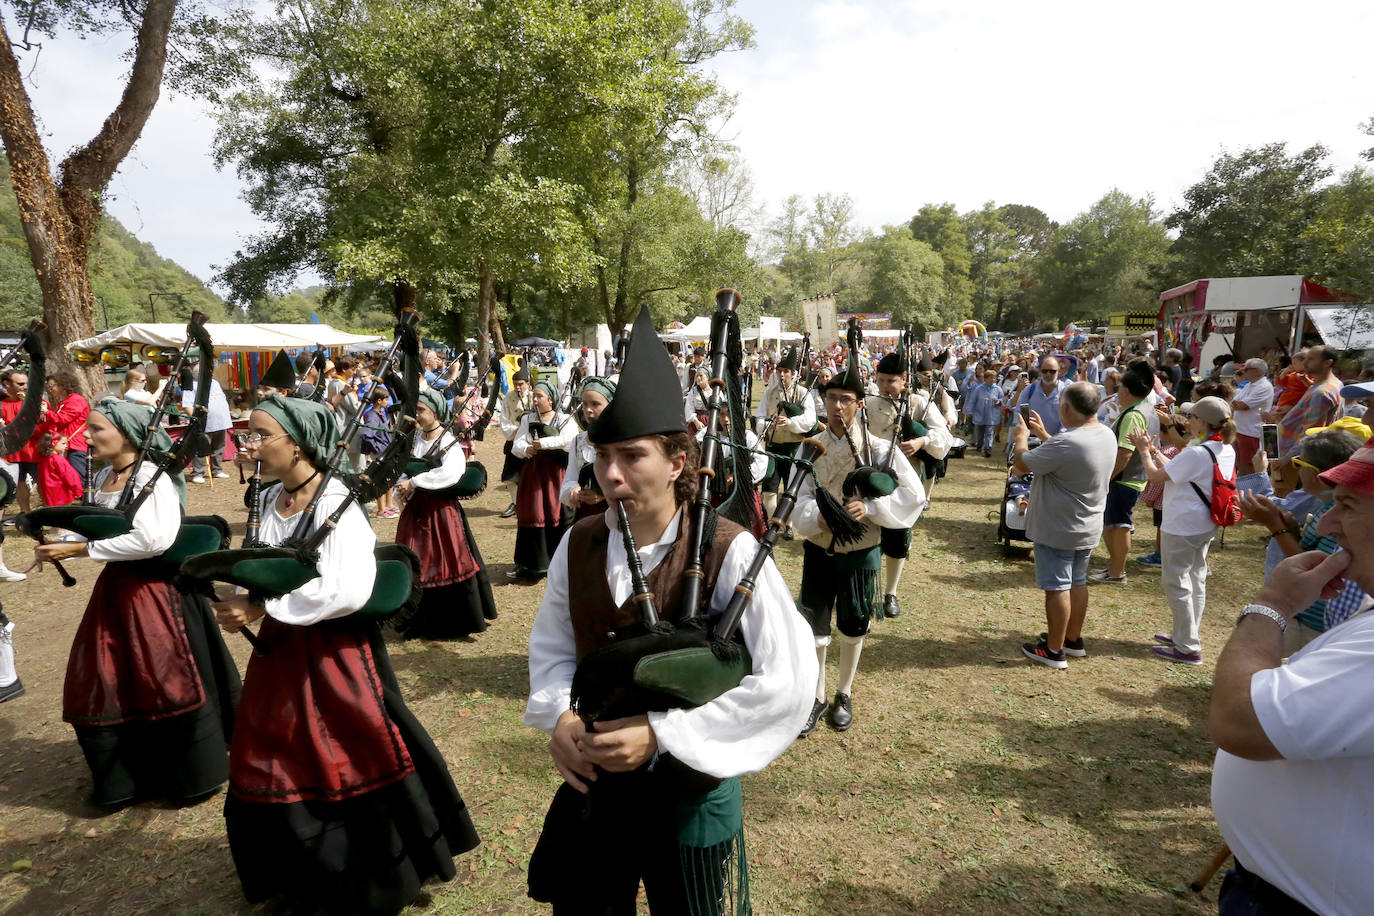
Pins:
x,y
1214,866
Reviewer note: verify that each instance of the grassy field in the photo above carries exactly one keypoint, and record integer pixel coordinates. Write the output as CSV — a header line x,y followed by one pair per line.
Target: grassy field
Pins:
x,y
972,781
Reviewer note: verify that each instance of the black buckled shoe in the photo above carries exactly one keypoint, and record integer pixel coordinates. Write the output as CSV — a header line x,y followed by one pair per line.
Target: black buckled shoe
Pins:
x,y
818,709
890,606
510,511
841,712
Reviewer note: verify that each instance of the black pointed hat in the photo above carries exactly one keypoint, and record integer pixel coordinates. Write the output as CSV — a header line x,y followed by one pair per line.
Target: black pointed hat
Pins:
x,y
851,379
281,374
648,396
522,374
893,363
789,360
924,364
940,358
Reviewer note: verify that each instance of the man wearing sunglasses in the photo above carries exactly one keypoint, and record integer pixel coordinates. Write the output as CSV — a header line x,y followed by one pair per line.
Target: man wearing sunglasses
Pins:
x,y
1043,397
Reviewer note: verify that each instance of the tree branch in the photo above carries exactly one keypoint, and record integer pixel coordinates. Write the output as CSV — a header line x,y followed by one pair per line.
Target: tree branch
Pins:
x,y
86,171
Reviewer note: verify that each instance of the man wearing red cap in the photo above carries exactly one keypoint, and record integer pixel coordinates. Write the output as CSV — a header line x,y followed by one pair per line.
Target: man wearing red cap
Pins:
x,y
1290,784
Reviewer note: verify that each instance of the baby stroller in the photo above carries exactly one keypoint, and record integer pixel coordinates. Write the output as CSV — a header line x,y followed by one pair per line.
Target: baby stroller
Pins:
x,y
1011,519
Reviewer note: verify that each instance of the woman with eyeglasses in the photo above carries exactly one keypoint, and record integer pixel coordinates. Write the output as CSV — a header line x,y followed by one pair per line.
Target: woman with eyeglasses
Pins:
x,y
338,799
150,687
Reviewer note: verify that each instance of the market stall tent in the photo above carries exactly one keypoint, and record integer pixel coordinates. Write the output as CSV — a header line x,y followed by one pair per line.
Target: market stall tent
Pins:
x,y
239,337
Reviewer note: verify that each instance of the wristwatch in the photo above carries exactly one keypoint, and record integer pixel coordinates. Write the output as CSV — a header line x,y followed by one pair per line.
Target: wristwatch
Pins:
x,y
1267,612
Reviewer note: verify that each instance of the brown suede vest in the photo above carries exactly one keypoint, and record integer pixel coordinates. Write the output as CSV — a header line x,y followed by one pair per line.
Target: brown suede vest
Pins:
x,y
595,618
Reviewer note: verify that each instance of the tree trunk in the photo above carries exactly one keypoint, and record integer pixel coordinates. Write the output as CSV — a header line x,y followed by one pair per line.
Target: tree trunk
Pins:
x,y
603,292
486,306
60,218
621,309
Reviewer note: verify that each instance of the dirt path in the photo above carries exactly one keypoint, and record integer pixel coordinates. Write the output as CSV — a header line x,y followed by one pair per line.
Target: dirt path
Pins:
x,y
972,781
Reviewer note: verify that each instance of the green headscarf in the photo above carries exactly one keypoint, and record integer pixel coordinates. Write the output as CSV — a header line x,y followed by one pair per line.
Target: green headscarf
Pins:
x,y
311,426
132,422
550,389
602,386
435,402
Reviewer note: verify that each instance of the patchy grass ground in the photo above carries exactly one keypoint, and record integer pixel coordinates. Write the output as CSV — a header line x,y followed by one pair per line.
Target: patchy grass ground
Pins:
x,y
972,781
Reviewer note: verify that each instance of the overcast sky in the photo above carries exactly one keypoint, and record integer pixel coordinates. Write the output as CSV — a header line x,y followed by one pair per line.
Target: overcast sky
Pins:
x,y
894,103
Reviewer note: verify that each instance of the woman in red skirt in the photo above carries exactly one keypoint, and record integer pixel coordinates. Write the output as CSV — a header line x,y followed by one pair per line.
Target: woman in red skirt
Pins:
x,y
338,799
543,441
456,597
150,687
579,491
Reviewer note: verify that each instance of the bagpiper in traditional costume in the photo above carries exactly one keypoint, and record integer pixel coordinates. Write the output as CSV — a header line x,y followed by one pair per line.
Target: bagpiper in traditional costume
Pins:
x,y
150,686
933,407
338,798
580,492
621,816
840,578
456,598
786,416
889,418
514,404
543,440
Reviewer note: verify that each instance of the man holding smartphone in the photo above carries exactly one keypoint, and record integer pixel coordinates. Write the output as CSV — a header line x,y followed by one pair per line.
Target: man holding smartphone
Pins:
x,y
1043,396
1247,408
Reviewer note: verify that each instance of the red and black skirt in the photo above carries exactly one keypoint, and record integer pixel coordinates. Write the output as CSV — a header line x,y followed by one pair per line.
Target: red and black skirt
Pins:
x,y
540,516
457,599
337,794
150,689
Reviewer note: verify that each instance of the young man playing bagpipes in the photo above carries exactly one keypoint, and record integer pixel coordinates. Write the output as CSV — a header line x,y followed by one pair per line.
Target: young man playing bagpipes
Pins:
x,y
890,419
841,513
787,416
514,404
655,797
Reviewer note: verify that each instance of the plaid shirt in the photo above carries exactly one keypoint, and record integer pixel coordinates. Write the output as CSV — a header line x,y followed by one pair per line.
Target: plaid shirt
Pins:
x,y
1316,408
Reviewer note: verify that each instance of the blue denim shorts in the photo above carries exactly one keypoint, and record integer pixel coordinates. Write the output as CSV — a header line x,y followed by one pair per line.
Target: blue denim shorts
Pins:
x,y
1059,570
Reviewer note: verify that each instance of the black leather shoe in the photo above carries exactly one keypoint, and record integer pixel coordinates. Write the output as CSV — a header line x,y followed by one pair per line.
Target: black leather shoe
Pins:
x,y
510,511
787,533
841,713
890,606
13,691
818,709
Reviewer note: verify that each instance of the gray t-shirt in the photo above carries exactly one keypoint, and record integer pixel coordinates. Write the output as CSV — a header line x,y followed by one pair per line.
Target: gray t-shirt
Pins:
x,y
1069,493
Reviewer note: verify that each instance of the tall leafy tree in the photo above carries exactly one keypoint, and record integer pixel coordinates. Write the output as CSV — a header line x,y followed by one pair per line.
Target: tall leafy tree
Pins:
x,y
942,229
1102,260
906,280
60,211
1247,215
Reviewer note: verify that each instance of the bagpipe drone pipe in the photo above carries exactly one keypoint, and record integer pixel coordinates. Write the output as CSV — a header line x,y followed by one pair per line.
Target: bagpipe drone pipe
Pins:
x,y
270,572
18,431
198,533
680,663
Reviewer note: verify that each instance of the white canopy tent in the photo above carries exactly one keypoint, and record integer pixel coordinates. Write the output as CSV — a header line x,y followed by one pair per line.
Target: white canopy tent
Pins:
x,y
699,328
753,334
239,337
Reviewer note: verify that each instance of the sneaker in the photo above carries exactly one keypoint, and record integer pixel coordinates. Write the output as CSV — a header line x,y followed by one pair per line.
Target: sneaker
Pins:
x,y
9,575
13,691
1042,653
1164,639
221,475
818,709
1103,576
199,478
1150,559
1171,654
1072,647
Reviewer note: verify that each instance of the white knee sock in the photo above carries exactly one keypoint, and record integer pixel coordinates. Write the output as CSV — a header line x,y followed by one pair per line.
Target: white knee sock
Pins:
x,y
770,502
894,573
511,487
820,675
8,674
849,663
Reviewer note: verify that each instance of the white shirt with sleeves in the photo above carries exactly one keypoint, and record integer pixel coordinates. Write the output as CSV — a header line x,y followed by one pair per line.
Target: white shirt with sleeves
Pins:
x,y
347,567
1306,823
567,431
155,524
898,509
449,472
582,452
740,731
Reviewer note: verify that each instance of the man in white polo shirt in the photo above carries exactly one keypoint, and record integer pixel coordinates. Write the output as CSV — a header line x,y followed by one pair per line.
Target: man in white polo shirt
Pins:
x,y
1293,781
1254,399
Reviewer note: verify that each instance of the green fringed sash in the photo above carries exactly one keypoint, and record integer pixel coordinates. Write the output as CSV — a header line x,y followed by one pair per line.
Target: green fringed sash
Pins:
x,y
710,837
859,570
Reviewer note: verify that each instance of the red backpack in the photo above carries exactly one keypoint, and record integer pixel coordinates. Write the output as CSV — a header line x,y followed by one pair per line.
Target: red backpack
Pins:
x,y
1223,505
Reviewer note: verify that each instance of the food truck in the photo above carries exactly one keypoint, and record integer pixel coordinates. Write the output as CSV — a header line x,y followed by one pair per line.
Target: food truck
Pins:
x,y
1242,316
